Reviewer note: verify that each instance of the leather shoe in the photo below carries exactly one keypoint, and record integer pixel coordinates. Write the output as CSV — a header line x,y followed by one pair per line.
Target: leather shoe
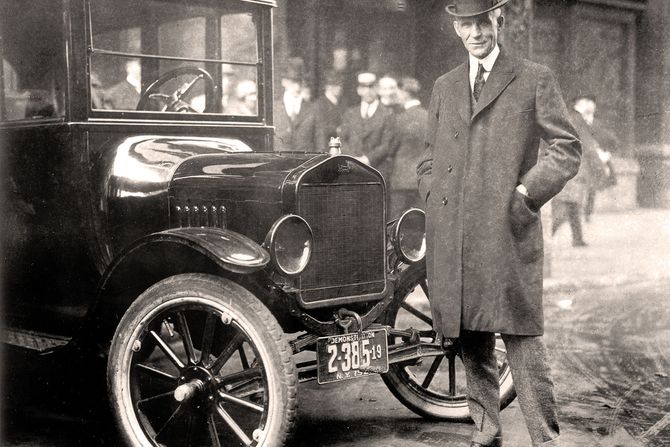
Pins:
x,y
495,443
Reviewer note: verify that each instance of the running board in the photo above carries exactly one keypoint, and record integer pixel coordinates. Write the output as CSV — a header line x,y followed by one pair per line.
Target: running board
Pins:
x,y
33,341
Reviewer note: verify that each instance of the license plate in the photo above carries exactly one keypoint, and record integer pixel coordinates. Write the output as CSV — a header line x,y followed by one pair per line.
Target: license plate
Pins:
x,y
342,357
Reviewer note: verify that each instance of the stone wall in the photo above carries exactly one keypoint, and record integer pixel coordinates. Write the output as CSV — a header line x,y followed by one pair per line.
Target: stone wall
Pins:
x,y
518,20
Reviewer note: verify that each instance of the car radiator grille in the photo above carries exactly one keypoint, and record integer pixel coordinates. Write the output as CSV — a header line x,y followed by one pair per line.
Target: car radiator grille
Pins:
x,y
349,257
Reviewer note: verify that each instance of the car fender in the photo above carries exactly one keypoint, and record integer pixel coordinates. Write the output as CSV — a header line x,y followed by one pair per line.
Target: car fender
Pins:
x,y
230,250
161,255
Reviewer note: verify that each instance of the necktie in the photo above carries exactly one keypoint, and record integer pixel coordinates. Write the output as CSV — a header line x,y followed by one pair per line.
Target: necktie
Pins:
x,y
479,82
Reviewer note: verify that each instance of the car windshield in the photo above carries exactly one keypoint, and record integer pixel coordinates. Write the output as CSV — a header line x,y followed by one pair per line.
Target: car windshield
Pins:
x,y
171,56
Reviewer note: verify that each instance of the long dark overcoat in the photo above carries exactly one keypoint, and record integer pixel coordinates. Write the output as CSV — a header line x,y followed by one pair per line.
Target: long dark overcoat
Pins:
x,y
373,137
297,134
485,246
328,117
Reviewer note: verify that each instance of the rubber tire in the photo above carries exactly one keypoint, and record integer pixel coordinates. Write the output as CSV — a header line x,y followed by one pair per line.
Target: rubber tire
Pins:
x,y
422,404
245,308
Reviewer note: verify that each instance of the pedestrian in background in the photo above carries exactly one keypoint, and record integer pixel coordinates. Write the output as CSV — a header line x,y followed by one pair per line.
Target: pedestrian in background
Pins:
x,y
602,171
368,128
568,205
410,132
295,124
125,95
484,185
328,111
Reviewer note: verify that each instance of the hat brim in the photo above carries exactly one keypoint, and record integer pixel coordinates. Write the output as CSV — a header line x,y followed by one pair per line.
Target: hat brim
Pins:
x,y
451,9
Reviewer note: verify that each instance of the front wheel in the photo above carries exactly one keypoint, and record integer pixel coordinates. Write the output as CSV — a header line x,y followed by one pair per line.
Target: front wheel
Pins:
x,y
197,360
433,387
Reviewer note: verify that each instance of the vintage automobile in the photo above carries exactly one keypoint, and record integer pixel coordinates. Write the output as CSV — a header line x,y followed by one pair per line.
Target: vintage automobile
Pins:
x,y
147,219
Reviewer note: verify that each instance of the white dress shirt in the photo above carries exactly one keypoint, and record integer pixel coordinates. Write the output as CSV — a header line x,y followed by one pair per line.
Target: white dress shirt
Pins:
x,y
411,103
487,62
292,104
367,110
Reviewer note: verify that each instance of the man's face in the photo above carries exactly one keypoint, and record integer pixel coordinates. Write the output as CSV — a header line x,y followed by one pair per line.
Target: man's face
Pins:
x,y
479,34
367,93
586,108
335,90
292,86
388,90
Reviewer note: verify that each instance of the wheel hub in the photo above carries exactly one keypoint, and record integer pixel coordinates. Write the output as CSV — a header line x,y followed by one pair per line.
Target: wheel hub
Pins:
x,y
196,384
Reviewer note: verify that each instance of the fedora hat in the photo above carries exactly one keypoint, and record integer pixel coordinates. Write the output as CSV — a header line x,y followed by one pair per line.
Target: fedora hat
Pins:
x,y
295,70
471,8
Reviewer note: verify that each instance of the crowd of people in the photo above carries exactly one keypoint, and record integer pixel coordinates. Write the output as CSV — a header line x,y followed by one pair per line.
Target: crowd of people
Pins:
x,y
385,129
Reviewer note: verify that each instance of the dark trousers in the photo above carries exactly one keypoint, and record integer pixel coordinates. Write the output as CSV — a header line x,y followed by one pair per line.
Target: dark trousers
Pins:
x,y
532,379
567,211
590,204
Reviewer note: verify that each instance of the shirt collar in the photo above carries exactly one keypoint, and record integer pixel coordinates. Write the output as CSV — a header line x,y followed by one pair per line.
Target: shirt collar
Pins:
x,y
135,83
292,103
370,110
332,98
487,62
412,103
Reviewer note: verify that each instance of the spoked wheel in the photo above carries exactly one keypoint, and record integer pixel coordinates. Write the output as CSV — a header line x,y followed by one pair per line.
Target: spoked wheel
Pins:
x,y
199,361
433,387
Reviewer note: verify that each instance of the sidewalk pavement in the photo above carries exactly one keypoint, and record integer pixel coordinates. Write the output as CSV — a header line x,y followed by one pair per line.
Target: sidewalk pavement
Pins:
x,y
623,248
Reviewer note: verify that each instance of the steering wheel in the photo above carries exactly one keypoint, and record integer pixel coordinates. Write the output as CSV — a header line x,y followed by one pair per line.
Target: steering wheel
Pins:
x,y
174,102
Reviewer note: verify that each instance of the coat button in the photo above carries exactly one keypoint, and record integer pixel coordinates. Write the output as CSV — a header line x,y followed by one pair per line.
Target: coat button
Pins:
x,y
456,135
450,168
445,201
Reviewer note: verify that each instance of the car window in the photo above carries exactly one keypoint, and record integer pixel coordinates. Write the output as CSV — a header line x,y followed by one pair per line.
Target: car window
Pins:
x,y
167,56
33,57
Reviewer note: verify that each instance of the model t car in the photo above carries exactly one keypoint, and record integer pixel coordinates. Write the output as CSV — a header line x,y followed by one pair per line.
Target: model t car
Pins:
x,y
147,219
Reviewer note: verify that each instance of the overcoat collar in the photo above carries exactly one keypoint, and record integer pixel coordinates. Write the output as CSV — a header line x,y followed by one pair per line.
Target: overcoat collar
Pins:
x,y
502,74
462,93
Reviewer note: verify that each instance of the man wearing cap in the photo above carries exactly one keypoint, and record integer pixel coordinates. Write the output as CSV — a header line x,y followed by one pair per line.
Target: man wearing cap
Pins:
x,y
367,129
295,127
328,111
484,184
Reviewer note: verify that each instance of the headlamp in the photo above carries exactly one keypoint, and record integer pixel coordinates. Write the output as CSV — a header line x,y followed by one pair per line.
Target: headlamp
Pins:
x,y
409,236
290,243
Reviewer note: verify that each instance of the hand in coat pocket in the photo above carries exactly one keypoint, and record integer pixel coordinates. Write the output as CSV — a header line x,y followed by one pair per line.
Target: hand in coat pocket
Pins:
x,y
520,212
526,228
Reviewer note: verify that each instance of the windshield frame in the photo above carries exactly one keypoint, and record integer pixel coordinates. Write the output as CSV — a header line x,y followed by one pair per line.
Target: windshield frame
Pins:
x,y
263,70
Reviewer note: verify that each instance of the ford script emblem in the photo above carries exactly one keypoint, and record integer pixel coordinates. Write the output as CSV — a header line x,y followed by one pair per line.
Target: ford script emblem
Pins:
x,y
344,168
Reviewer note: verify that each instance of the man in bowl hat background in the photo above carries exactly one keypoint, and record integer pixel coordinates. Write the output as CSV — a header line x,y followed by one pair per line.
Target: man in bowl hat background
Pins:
x,y
484,184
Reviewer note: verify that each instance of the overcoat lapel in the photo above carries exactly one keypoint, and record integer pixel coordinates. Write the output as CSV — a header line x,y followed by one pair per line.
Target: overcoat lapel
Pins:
x,y
501,75
462,94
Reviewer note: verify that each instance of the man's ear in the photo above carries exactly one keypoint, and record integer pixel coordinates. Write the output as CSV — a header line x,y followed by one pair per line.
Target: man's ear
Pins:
x,y
501,22
457,28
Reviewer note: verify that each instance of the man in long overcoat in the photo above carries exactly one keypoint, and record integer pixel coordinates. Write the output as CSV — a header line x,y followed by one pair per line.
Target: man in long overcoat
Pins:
x,y
484,185
367,128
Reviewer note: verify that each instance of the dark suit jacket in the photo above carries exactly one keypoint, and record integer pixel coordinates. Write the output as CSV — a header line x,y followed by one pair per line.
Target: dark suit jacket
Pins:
x,y
298,134
484,240
373,137
410,132
328,118
122,96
